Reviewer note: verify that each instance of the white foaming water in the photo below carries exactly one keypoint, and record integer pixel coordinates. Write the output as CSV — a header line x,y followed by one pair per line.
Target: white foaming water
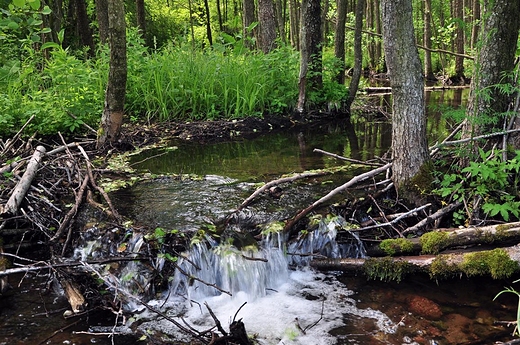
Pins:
x,y
283,306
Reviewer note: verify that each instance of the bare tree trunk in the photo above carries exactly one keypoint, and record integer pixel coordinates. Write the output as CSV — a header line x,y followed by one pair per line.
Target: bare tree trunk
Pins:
x,y
428,68
112,118
294,23
476,23
141,20
310,54
459,40
208,23
409,144
358,55
267,22
498,39
102,18
280,9
339,39
248,17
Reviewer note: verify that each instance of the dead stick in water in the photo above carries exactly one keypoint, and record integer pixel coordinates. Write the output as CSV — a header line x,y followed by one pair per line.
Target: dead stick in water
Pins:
x,y
335,191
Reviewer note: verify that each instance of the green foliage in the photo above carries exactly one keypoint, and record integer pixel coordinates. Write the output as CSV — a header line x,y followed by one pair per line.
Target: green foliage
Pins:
x,y
491,180
393,246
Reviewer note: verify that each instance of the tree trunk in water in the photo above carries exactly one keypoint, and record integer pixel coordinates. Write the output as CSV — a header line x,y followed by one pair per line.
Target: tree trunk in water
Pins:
x,y
102,18
409,144
267,25
498,39
112,118
248,17
339,39
310,77
358,55
141,20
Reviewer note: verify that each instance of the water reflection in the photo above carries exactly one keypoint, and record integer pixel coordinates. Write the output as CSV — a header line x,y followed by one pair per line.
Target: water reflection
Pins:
x,y
365,137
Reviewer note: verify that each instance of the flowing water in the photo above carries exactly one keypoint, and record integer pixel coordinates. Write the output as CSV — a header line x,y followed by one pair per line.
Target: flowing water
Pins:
x,y
285,302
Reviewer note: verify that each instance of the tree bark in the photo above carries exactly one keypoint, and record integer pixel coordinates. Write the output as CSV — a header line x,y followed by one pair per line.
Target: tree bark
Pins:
x,y
459,40
339,39
102,18
310,78
248,18
294,24
499,235
428,68
141,18
208,23
267,22
358,56
409,144
498,40
112,118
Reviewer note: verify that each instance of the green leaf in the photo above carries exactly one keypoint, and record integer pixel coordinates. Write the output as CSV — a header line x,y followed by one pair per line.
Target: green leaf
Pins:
x,y
46,10
19,3
35,4
48,45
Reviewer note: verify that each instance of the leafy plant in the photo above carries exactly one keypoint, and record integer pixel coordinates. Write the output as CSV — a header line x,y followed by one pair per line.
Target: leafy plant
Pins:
x,y
491,183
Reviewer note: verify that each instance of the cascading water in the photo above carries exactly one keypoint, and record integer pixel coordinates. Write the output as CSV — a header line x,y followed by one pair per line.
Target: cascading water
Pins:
x,y
284,306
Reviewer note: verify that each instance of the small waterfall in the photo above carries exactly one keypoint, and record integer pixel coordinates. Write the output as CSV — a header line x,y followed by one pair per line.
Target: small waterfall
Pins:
x,y
251,270
255,271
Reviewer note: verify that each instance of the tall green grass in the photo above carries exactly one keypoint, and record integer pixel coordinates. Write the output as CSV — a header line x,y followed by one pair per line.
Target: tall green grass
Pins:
x,y
175,83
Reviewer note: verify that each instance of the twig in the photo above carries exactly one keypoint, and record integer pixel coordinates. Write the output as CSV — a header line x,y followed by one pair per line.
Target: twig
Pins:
x,y
347,159
235,316
217,321
202,281
484,136
277,182
115,214
335,191
402,216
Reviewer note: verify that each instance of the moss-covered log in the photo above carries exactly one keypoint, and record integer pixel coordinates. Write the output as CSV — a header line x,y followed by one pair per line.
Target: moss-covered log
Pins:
x,y
437,241
498,263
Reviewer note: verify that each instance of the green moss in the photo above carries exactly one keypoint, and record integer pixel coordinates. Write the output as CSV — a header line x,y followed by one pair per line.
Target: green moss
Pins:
x,y
496,263
442,269
433,242
422,181
398,245
386,269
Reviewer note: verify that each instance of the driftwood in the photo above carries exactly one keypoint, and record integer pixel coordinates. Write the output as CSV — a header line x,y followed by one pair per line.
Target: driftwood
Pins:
x,y
74,296
421,263
13,204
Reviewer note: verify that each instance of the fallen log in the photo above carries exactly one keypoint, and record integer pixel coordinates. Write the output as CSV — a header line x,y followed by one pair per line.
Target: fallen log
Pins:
x,y
499,263
13,204
434,242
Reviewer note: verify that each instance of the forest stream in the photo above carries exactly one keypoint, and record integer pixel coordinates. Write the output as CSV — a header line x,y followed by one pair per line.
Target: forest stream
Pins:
x,y
278,298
